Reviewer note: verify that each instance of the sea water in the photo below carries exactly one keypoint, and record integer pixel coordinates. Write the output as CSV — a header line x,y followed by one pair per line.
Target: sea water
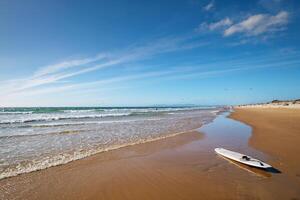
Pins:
x,y
36,138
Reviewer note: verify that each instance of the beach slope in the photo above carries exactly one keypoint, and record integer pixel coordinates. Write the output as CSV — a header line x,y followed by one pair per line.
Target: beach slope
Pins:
x,y
180,167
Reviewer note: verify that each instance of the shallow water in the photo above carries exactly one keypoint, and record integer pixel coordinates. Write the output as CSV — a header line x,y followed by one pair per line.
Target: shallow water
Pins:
x,y
230,134
233,135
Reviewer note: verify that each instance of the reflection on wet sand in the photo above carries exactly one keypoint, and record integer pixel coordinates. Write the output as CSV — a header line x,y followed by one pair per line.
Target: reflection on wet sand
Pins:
x,y
256,171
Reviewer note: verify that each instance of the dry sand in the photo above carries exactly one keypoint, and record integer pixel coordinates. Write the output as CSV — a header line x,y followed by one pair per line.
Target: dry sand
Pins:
x,y
181,167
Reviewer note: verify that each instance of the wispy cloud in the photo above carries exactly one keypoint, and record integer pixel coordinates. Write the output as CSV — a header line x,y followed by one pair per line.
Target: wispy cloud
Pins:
x,y
102,85
259,24
179,72
54,74
209,6
226,22
66,65
222,23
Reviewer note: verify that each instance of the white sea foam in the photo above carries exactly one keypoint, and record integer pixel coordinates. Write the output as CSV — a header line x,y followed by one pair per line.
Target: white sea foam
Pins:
x,y
61,159
41,118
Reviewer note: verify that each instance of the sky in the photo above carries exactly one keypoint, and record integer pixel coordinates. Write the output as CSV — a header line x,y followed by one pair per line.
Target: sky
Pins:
x,y
143,53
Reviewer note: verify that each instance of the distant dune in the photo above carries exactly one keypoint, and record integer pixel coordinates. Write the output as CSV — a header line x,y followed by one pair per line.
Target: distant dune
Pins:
x,y
295,104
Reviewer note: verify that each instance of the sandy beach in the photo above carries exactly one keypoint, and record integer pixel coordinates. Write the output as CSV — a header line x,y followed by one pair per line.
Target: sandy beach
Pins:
x,y
150,100
181,167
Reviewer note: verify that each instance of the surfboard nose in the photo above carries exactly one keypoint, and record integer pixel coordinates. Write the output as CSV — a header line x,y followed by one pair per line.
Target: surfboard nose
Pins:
x,y
218,149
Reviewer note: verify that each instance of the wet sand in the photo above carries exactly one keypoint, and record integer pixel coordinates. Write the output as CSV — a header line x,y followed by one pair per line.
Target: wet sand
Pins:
x,y
181,167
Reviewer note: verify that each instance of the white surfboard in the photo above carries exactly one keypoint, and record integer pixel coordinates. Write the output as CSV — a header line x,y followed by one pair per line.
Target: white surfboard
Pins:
x,y
247,160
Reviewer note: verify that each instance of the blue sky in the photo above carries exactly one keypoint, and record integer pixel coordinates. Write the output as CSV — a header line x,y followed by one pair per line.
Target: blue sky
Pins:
x,y
139,53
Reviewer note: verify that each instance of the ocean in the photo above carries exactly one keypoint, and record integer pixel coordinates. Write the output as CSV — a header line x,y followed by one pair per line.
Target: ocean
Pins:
x,y
37,138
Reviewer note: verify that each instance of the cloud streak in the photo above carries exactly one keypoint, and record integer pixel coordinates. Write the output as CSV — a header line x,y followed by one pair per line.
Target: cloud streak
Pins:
x,y
56,73
179,72
66,65
220,24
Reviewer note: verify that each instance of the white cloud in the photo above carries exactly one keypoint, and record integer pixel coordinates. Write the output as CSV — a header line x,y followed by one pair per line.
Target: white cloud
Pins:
x,y
209,6
220,24
259,24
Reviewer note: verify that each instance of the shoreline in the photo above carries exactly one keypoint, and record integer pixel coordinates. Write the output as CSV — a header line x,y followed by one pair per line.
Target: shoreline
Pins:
x,y
180,167
95,152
